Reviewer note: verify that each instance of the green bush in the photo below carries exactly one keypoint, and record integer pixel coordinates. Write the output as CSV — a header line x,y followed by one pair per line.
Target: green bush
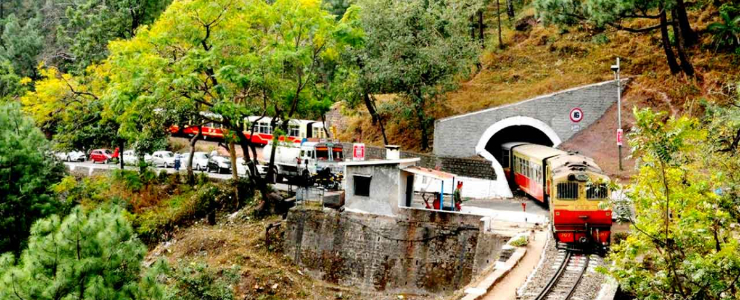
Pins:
x,y
195,281
520,242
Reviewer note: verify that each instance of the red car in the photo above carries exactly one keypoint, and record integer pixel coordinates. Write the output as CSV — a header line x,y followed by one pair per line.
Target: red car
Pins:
x,y
102,155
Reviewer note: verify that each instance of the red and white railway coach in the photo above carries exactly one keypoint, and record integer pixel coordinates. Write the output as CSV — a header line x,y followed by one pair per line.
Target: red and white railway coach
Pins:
x,y
571,184
263,129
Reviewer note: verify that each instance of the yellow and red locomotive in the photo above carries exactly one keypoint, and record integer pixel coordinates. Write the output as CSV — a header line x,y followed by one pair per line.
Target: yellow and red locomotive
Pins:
x,y
571,184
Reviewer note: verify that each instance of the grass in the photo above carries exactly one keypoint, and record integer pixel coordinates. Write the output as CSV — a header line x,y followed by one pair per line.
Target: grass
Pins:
x,y
546,59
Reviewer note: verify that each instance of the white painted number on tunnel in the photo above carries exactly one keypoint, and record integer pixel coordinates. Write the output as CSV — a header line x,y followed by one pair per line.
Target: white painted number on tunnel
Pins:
x,y
576,115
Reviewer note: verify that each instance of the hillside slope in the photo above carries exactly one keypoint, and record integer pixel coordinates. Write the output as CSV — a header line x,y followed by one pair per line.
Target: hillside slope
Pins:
x,y
544,59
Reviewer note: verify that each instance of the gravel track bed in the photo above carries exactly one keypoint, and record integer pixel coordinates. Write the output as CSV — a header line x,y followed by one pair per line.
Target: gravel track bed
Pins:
x,y
587,289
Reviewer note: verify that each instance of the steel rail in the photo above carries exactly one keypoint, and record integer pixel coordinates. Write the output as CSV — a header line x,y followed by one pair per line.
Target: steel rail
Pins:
x,y
550,284
580,276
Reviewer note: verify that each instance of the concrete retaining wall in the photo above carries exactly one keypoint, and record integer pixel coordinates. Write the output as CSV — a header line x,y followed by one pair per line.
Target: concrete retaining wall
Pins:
x,y
419,252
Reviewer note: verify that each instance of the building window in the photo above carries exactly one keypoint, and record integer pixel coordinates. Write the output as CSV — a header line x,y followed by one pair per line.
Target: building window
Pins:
x,y
568,190
596,191
362,185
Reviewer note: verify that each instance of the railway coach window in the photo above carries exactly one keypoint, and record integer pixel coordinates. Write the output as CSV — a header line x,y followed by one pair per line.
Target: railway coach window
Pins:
x,y
568,190
596,191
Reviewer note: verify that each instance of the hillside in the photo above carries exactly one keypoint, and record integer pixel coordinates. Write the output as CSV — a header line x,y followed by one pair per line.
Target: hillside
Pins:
x,y
543,59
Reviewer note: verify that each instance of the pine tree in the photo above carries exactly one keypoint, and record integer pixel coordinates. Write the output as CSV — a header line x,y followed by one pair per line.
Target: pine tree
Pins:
x,y
26,177
88,255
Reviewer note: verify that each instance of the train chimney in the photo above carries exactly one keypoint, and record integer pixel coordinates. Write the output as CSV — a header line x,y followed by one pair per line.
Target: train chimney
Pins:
x,y
392,152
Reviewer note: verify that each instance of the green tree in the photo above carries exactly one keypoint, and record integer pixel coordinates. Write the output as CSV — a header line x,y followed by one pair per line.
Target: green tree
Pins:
x,y
21,44
88,255
683,243
233,58
613,12
71,108
419,53
27,174
10,82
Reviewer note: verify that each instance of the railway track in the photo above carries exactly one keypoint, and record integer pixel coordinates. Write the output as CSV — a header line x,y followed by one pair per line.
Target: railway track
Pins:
x,y
563,284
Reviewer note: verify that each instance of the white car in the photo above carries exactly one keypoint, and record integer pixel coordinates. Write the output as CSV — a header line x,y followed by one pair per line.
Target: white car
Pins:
x,y
70,156
242,170
130,157
200,160
164,159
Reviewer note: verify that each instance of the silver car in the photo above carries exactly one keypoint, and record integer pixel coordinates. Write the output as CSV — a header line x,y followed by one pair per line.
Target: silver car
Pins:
x,y
163,159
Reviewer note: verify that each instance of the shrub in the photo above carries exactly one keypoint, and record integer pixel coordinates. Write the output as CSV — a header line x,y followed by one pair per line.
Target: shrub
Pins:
x,y
179,210
519,242
726,33
195,281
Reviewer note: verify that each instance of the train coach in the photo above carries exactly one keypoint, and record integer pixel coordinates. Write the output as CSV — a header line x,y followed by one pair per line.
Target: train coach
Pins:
x,y
263,129
572,185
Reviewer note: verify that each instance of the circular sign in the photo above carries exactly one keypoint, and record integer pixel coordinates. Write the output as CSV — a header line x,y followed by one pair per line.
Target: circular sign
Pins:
x,y
576,115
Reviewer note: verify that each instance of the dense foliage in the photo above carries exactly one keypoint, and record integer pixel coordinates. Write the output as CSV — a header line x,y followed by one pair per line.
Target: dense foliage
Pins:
x,y
86,255
684,242
27,173
418,54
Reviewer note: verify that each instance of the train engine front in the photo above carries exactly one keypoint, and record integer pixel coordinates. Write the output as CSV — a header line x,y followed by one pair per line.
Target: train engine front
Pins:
x,y
578,190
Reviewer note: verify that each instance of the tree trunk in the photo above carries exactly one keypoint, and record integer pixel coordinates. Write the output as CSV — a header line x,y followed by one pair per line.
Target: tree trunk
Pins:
x,y
510,8
480,29
193,140
498,15
270,172
234,173
689,35
120,151
422,119
369,102
672,64
680,42
472,27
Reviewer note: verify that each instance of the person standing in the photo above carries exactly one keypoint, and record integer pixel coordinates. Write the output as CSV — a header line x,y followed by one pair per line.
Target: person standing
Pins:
x,y
178,158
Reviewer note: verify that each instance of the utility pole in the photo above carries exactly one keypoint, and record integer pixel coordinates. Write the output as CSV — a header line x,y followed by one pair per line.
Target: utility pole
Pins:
x,y
616,69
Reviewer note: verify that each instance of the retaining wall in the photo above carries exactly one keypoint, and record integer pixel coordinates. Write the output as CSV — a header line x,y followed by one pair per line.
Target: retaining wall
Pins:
x,y
418,252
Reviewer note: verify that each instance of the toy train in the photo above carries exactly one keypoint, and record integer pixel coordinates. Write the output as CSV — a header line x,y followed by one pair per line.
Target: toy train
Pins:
x,y
571,184
263,131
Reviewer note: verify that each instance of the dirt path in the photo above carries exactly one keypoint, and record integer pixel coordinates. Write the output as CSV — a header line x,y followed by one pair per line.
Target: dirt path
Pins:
x,y
506,288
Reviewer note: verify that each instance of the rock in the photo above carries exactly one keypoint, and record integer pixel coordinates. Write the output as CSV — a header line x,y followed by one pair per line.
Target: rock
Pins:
x,y
525,23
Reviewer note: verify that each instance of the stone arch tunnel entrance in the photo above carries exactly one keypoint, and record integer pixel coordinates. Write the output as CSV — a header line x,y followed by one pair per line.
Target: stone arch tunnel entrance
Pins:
x,y
523,133
513,129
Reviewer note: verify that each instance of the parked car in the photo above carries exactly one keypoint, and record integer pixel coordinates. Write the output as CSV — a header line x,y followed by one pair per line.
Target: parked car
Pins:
x,y
243,170
130,157
200,160
164,159
101,155
219,164
70,156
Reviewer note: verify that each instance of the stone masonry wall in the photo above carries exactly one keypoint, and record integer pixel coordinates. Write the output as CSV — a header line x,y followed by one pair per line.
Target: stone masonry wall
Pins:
x,y
457,136
475,167
421,252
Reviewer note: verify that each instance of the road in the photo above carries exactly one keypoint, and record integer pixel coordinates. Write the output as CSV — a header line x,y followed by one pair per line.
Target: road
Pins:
x,y
226,176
